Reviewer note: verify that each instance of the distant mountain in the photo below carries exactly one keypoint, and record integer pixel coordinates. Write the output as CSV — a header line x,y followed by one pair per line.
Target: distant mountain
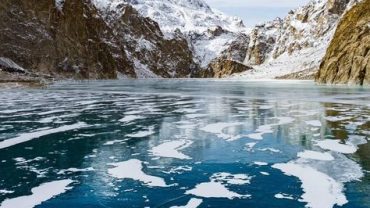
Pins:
x,y
294,46
208,32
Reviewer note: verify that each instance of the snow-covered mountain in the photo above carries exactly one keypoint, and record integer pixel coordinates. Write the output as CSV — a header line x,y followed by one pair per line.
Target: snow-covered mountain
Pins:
x,y
296,43
99,39
185,15
209,32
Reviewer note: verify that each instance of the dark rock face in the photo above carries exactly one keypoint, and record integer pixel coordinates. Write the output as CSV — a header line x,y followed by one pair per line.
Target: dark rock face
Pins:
x,y
68,43
147,47
73,40
307,74
221,68
337,6
347,60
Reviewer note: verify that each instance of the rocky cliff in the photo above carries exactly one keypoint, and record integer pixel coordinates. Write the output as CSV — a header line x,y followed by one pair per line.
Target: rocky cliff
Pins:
x,y
72,39
63,43
347,60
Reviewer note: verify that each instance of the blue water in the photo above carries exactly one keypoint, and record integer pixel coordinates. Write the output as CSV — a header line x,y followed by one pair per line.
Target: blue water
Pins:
x,y
164,106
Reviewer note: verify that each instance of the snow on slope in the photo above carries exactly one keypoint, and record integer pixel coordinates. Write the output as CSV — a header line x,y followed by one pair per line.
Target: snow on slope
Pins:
x,y
197,22
186,15
296,43
208,32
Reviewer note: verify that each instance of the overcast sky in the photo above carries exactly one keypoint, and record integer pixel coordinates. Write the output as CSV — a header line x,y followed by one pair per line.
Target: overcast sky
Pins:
x,y
255,11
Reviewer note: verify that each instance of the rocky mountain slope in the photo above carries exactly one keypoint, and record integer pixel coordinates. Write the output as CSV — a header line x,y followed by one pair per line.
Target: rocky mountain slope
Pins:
x,y
67,43
72,39
208,32
296,44
109,39
347,60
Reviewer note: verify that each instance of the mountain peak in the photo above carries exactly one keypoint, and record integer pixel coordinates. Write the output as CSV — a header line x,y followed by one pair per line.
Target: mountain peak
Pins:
x,y
185,15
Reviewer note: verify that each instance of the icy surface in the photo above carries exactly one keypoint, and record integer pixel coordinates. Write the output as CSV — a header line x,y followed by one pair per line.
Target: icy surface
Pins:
x,y
193,141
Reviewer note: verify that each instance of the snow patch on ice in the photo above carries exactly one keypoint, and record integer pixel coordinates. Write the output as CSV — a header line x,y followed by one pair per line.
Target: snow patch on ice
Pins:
x,y
113,142
315,123
172,149
320,190
4,191
133,169
217,129
39,133
283,196
39,194
130,118
235,179
250,145
193,203
337,118
144,133
216,187
75,170
260,163
313,155
336,146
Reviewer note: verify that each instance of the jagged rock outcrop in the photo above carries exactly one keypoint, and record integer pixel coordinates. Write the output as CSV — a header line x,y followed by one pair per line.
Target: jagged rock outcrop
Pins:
x,y
237,49
347,60
221,68
296,43
262,42
72,39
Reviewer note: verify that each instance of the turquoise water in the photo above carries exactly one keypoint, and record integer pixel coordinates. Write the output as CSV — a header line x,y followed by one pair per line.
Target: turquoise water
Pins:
x,y
82,131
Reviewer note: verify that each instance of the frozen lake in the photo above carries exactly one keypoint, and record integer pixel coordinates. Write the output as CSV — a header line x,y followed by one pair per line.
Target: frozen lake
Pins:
x,y
185,143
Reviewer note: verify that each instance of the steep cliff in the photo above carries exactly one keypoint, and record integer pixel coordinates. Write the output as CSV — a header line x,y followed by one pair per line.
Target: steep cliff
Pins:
x,y
72,42
72,39
347,60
